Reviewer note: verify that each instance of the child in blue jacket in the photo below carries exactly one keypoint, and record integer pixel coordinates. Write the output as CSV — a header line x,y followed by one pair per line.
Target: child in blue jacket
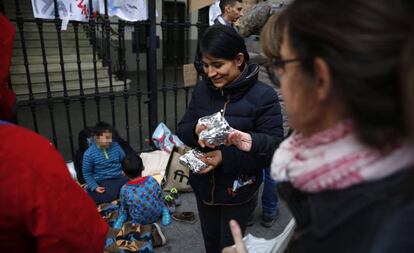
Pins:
x,y
101,165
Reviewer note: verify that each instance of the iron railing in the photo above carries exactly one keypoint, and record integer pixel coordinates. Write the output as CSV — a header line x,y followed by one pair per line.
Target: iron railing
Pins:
x,y
64,92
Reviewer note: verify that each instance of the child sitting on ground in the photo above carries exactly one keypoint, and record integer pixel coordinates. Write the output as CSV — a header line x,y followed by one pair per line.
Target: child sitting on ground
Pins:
x,y
141,197
101,165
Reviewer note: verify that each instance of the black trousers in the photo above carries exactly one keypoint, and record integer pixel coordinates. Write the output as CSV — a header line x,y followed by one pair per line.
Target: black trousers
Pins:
x,y
215,223
112,188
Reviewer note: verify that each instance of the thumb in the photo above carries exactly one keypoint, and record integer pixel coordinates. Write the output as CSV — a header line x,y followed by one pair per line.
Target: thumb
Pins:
x,y
237,237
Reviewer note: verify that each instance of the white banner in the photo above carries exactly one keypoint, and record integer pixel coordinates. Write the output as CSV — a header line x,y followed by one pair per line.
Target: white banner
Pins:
x,y
129,10
68,9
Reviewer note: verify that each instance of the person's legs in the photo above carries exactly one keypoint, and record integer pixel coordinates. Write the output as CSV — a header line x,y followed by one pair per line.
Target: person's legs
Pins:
x,y
269,200
99,198
241,214
112,187
210,226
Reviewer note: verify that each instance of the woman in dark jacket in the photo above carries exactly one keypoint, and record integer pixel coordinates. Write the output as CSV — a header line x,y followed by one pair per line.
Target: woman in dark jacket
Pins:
x,y
348,165
230,85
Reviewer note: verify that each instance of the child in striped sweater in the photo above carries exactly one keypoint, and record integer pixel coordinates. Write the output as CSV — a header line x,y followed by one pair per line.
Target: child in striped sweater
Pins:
x,y
101,166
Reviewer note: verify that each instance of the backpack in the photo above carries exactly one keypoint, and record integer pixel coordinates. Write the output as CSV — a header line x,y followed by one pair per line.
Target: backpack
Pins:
x,y
85,138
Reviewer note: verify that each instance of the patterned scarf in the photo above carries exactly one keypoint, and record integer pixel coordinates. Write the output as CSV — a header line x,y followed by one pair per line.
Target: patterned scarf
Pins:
x,y
334,159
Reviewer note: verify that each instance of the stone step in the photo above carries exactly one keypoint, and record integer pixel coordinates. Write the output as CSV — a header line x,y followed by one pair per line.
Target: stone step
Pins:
x,y
72,89
68,43
87,74
39,68
51,43
25,13
51,35
52,51
47,27
23,89
33,59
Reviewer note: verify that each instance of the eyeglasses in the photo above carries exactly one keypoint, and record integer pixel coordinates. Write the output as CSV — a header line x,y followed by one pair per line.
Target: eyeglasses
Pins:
x,y
278,65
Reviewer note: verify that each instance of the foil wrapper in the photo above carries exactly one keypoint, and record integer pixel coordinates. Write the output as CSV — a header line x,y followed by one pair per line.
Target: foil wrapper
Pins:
x,y
217,129
192,161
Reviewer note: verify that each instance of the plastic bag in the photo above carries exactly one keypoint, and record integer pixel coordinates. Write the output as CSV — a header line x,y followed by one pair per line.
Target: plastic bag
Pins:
x,y
164,140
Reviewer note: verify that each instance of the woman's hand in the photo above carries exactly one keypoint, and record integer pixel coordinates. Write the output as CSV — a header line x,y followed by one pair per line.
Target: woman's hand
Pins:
x,y
238,239
201,142
199,128
212,159
241,140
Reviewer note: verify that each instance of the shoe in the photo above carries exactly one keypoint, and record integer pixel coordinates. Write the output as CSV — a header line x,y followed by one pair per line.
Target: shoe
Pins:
x,y
169,203
175,195
188,217
158,238
268,221
250,222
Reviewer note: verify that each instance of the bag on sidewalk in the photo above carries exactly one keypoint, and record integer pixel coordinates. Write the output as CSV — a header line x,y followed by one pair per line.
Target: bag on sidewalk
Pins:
x,y
163,139
155,163
176,175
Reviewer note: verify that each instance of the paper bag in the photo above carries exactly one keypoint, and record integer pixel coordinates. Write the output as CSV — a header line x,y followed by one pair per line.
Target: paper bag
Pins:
x,y
155,163
176,175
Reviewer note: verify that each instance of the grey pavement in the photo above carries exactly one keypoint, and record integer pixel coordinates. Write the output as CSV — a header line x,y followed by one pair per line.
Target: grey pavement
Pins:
x,y
183,237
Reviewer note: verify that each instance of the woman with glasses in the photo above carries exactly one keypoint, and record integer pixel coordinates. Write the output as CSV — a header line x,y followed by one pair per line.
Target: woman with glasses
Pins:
x,y
348,165
228,189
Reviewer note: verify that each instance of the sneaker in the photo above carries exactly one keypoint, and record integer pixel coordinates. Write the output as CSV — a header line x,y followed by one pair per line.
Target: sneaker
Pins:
x,y
268,221
188,217
158,238
169,203
174,193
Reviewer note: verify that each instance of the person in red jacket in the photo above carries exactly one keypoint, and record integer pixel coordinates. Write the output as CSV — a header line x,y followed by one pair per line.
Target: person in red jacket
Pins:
x,y
43,209
7,96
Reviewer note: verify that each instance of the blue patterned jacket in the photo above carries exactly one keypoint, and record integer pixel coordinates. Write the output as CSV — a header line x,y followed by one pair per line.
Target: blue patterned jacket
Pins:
x,y
141,201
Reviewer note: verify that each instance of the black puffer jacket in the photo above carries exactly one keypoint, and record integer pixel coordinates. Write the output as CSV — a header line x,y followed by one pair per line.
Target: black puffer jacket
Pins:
x,y
252,106
373,217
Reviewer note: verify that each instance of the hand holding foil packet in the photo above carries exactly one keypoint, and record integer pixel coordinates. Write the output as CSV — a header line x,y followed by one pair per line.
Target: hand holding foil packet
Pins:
x,y
217,129
192,161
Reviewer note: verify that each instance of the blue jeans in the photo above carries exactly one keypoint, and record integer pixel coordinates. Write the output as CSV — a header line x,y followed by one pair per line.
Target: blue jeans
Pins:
x,y
269,197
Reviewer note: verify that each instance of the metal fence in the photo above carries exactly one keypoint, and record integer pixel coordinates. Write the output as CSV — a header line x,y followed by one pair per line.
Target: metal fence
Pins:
x,y
67,80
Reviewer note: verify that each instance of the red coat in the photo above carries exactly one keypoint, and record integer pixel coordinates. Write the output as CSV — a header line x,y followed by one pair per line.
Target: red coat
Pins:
x,y
7,96
42,207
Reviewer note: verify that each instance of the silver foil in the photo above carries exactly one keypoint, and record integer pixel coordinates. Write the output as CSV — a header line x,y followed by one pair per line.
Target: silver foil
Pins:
x,y
192,161
217,129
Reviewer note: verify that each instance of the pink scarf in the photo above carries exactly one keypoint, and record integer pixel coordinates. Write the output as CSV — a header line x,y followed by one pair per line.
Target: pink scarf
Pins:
x,y
334,159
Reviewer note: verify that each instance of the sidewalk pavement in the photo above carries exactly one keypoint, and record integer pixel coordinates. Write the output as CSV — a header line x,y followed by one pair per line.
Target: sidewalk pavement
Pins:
x,y
183,237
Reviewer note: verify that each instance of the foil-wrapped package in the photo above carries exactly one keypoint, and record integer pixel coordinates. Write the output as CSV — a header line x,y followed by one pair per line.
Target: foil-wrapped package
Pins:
x,y
217,129
192,161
